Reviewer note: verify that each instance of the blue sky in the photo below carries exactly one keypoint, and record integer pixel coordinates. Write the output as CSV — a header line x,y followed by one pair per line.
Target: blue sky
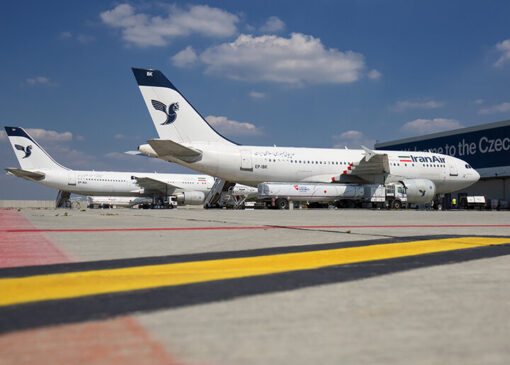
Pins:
x,y
290,73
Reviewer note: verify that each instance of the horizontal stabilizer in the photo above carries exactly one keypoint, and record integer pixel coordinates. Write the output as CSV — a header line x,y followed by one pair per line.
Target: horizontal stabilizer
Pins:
x,y
25,174
150,184
166,147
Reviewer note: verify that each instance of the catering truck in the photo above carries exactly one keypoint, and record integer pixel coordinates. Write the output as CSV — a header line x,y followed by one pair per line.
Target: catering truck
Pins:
x,y
279,194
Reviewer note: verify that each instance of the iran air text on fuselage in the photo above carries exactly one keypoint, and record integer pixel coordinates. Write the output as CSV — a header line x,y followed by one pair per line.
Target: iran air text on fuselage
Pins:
x,y
429,159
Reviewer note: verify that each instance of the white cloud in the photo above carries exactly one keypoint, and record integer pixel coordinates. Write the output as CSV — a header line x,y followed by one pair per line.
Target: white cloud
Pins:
x,y
145,30
231,127
119,156
401,106
504,48
49,135
374,75
273,24
82,38
136,160
298,59
257,95
39,80
185,58
479,101
74,158
44,135
65,35
498,108
420,126
85,38
353,139
126,137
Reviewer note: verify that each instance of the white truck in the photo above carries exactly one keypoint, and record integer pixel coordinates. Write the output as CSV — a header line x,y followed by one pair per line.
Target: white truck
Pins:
x,y
116,201
386,196
279,194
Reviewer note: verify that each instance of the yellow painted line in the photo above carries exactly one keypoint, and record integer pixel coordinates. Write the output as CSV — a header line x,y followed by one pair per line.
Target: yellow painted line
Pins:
x,y
77,284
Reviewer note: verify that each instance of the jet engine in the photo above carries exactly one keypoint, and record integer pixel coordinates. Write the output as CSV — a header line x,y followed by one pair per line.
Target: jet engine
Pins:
x,y
419,190
190,198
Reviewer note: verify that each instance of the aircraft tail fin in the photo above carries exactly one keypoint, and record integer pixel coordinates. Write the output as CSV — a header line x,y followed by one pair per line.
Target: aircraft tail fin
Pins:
x,y
31,156
173,116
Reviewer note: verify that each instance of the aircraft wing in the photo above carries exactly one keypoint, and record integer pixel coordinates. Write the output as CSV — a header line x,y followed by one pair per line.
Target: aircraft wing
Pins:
x,y
25,174
166,147
151,184
372,167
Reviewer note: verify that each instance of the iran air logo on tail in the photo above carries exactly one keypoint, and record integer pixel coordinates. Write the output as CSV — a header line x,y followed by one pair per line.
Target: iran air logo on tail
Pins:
x,y
171,113
27,150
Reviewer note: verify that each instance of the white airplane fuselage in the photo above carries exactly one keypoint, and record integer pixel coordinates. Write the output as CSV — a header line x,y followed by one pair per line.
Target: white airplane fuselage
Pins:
x,y
251,165
99,183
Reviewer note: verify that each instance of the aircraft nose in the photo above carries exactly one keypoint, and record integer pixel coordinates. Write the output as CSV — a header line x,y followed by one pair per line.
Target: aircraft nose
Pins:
x,y
476,176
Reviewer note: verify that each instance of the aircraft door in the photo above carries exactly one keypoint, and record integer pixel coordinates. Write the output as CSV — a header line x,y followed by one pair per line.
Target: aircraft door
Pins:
x,y
453,169
246,161
71,178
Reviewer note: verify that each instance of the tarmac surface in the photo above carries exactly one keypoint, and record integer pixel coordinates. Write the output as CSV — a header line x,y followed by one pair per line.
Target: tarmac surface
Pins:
x,y
194,286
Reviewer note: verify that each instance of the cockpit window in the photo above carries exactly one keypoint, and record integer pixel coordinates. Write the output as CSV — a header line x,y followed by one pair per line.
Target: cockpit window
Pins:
x,y
468,166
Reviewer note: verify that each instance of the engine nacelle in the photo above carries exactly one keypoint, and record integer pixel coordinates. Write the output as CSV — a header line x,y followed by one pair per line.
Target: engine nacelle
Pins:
x,y
419,190
190,198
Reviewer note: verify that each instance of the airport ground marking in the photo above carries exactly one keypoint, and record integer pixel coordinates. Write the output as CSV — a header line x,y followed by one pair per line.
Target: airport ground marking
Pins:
x,y
85,283
214,228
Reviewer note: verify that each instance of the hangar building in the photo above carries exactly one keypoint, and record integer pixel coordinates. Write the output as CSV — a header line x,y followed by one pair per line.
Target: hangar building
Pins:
x,y
485,147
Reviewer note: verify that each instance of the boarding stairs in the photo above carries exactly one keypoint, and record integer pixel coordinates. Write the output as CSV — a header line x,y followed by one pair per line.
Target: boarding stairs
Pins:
x,y
219,194
63,200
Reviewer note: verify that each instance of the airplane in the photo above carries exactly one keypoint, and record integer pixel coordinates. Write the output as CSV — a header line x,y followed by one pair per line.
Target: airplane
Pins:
x,y
38,166
187,139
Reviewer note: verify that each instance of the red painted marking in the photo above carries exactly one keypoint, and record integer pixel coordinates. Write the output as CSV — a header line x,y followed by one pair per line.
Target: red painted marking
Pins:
x,y
253,227
21,244
115,341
